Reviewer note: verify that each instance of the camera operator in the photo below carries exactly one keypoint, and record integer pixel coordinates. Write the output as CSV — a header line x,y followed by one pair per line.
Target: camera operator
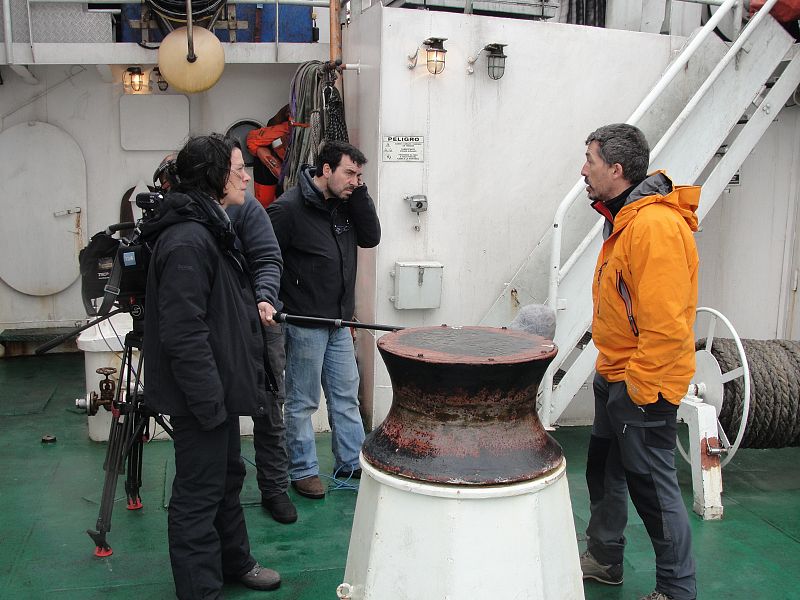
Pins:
x,y
205,365
258,243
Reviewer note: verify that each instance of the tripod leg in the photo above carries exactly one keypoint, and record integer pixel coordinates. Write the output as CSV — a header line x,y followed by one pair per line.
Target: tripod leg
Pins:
x,y
117,439
134,480
119,435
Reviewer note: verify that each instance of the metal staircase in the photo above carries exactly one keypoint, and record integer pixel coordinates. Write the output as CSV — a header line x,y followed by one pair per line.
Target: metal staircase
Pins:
x,y
727,95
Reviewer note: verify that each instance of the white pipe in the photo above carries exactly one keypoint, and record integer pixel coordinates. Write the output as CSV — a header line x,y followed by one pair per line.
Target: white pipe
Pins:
x,y
20,70
7,31
712,78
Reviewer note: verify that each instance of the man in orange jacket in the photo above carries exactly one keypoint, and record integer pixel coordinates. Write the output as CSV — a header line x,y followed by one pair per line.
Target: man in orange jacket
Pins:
x,y
645,295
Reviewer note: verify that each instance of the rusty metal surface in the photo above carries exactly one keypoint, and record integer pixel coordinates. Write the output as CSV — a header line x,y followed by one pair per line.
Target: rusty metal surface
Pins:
x,y
464,407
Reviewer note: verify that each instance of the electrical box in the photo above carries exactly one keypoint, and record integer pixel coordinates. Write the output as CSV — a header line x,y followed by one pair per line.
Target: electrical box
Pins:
x,y
417,284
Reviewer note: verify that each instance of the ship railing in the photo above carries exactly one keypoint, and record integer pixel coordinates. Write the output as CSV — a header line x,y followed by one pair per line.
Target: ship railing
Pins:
x,y
333,5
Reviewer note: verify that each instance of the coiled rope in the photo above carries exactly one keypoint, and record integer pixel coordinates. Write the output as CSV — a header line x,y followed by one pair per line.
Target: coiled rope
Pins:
x,y
774,418
313,100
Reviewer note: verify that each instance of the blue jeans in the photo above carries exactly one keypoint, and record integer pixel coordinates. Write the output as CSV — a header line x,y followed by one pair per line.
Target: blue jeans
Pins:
x,y
314,356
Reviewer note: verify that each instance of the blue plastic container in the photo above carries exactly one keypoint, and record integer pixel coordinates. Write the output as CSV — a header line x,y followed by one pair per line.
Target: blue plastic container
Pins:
x,y
294,24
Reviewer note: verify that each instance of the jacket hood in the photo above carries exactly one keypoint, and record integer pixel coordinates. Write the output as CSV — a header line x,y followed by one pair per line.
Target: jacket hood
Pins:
x,y
310,192
659,188
179,207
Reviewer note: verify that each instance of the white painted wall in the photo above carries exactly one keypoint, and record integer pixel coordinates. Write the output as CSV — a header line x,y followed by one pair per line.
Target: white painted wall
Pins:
x,y
748,242
77,100
499,155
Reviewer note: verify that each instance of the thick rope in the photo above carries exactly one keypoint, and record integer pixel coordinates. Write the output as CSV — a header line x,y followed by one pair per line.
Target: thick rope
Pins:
x,y
314,100
774,417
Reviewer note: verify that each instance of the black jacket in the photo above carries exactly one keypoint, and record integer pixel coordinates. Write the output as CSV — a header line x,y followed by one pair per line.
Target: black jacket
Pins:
x,y
318,240
259,246
203,345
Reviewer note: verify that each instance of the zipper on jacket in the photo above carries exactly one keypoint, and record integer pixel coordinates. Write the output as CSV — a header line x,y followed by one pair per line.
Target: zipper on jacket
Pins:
x,y
622,290
599,275
336,238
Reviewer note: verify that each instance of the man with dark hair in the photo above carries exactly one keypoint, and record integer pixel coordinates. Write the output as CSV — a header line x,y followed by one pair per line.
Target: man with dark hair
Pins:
x,y
319,224
645,294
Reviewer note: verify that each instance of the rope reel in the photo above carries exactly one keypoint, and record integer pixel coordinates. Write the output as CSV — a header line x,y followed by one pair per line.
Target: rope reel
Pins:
x,y
773,420
728,368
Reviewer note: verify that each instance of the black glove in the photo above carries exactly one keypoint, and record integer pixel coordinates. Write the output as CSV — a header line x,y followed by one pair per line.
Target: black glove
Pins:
x,y
359,194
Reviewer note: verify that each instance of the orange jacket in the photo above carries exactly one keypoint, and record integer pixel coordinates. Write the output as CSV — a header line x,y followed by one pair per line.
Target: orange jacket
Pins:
x,y
263,137
645,292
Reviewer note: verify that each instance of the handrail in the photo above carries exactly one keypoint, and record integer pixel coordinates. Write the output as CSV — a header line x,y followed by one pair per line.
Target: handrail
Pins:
x,y
556,272
670,74
714,75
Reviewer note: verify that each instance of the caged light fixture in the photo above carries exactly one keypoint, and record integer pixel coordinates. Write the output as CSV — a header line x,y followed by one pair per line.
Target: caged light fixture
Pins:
x,y
496,60
156,76
434,55
134,81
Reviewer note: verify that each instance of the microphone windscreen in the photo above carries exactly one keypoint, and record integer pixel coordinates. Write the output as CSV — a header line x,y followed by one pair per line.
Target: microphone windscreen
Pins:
x,y
537,319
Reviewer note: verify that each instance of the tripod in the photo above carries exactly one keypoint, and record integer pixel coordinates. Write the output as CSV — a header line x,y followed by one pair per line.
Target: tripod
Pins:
x,y
130,429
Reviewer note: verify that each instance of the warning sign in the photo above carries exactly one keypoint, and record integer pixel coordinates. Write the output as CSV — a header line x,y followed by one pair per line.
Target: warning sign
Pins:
x,y
403,148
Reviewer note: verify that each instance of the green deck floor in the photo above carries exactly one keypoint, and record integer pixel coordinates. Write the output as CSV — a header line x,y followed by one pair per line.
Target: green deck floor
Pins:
x,y
49,496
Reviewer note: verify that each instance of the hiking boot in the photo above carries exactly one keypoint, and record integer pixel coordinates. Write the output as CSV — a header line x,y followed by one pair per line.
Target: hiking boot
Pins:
x,y
656,595
592,569
345,474
281,508
310,487
261,578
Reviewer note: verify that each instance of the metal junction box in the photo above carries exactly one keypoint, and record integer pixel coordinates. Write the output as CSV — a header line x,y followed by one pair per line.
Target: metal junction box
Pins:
x,y
417,284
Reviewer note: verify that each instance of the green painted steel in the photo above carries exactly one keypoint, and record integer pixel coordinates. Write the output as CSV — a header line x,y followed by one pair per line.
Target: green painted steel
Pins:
x,y
50,495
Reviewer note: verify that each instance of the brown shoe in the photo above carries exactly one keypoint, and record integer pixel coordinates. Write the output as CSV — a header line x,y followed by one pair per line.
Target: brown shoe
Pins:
x,y
310,487
281,508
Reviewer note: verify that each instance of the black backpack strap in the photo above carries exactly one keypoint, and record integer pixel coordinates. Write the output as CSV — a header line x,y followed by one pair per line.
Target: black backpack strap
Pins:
x,y
112,288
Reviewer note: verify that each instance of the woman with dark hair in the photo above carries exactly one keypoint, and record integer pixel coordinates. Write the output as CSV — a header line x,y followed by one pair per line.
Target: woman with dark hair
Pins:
x,y
205,365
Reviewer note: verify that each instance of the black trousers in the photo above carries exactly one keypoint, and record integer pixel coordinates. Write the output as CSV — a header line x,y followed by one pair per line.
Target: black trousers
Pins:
x,y
269,431
632,451
207,533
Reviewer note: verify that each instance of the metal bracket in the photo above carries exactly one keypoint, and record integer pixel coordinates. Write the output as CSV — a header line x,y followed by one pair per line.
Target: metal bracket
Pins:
x,y
418,203
68,211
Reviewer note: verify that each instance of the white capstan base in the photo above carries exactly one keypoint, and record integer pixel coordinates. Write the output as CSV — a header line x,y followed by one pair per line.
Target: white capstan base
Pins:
x,y
413,540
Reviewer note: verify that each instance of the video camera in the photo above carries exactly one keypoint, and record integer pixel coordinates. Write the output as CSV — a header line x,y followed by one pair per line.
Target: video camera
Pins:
x,y
114,269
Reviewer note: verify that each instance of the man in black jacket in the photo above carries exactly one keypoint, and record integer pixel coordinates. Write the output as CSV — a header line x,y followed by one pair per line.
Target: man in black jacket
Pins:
x,y
319,225
205,366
